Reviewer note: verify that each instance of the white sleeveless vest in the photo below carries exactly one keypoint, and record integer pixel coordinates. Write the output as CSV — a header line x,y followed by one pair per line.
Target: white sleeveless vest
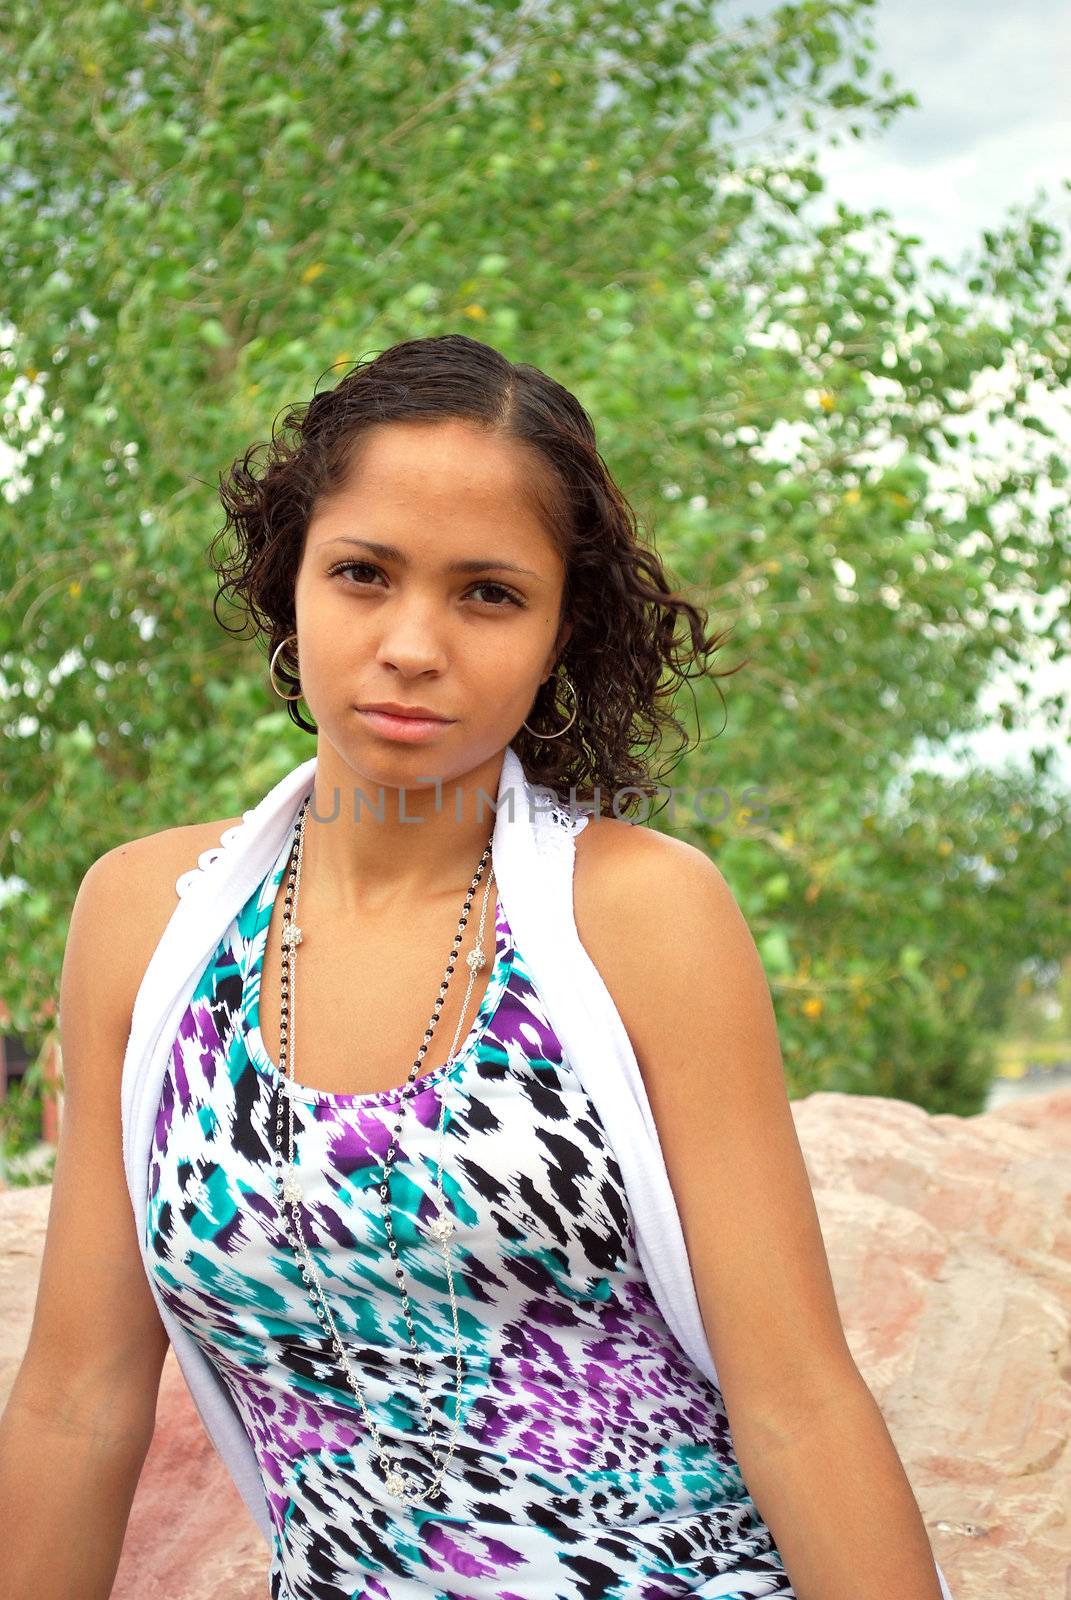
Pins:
x,y
533,853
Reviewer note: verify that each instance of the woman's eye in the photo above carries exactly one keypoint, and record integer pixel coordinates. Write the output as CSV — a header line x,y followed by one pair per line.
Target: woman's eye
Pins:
x,y
354,566
498,589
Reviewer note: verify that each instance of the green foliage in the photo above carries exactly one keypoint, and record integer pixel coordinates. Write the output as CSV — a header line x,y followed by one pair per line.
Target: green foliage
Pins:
x,y
20,1117
208,207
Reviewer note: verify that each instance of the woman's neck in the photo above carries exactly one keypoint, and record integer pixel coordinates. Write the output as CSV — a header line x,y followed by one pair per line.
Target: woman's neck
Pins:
x,y
373,846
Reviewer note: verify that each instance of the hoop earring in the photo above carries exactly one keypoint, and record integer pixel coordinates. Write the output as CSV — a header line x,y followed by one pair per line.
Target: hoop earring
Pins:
x,y
568,685
271,670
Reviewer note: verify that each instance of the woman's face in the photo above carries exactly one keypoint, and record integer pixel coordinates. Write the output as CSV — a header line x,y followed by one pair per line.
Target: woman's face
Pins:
x,y
400,624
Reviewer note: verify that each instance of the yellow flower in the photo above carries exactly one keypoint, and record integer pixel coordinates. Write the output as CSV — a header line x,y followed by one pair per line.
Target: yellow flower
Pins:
x,y
827,401
852,497
476,313
74,588
312,271
813,1007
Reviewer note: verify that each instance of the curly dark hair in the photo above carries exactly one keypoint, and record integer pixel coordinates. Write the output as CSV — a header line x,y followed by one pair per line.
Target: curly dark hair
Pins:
x,y
622,657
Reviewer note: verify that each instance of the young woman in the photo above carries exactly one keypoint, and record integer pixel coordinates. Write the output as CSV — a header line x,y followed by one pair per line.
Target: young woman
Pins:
x,y
381,1206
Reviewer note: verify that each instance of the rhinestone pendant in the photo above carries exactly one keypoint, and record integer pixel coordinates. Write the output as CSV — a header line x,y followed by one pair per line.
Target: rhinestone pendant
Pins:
x,y
291,936
441,1228
291,1186
476,959
397,1483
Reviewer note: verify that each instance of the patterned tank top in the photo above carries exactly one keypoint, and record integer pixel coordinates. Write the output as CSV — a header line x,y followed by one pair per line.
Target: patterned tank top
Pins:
x,y
593,1458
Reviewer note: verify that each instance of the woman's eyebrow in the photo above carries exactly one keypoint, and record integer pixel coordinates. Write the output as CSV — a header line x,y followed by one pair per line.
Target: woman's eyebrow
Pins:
x,y
390,552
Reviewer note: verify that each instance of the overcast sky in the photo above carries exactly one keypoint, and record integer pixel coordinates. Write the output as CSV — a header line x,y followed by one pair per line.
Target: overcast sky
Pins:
x,y
993,120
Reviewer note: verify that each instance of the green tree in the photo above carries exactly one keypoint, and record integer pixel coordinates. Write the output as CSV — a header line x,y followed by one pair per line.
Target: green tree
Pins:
x,y
207,208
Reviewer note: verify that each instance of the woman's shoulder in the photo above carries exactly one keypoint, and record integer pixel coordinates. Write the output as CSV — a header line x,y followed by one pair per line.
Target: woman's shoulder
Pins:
x,y
664,930
156,860
610,851
134,888
634,877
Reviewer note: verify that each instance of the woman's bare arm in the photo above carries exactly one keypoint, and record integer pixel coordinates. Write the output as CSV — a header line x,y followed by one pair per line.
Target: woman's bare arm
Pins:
x,y
810,1439
79,1419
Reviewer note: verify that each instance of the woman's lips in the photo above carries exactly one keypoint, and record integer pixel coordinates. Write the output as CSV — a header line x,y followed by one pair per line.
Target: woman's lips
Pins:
x,y
409,730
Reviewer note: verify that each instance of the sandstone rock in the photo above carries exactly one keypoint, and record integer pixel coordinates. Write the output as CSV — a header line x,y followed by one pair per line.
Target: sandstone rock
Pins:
x,y
949,1240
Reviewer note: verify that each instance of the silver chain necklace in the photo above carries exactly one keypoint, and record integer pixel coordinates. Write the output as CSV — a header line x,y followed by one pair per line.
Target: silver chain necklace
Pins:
x,y
289,1185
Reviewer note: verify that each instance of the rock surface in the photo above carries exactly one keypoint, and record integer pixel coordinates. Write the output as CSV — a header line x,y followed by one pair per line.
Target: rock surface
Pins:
x,y
949,1240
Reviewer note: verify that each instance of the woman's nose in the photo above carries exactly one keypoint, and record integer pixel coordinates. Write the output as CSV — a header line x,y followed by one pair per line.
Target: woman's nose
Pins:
x,y
412,639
